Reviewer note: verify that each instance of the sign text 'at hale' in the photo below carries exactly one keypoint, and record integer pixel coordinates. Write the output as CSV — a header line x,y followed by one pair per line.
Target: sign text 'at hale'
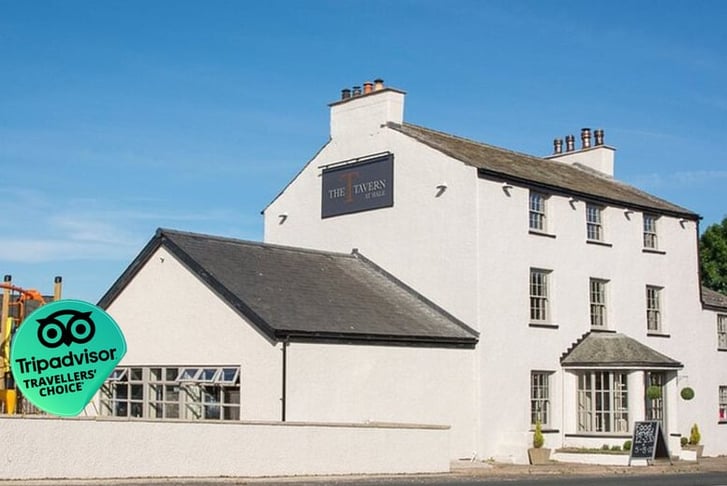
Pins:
x,y
62,354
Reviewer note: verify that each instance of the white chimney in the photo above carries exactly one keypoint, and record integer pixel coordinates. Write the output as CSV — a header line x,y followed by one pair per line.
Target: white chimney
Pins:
x,y
596,155
361,114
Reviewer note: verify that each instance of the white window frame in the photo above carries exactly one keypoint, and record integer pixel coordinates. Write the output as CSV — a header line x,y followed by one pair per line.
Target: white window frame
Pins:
x,y
654,305
540,409
602,407
722,331
539,291
597,297
651,236
175,392
594,222
722,400
538,212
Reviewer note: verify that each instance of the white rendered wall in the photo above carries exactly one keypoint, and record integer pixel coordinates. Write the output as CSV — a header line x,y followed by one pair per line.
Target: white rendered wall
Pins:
x,y
52,448
170,318
362,384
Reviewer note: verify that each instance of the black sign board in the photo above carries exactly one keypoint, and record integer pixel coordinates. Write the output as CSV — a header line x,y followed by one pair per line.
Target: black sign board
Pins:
x,y
359,186
648,441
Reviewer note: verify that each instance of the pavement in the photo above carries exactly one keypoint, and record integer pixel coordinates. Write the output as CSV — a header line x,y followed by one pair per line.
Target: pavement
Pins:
x,y
459,469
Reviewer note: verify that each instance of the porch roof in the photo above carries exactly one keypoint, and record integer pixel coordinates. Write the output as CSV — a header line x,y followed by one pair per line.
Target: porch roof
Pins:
x,y
612,349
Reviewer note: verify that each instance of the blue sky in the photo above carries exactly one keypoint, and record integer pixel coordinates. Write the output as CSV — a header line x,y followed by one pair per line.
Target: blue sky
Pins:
x,y
118,117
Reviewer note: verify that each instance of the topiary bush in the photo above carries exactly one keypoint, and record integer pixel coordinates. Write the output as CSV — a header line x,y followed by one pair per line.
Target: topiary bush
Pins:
x,y
694,435
538,439
687,393
627,445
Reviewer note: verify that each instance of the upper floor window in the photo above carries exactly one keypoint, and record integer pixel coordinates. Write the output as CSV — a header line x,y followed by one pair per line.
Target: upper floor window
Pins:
x,y
650,235
603,401
721,331
539,295
537,218
540,398
594,222
653,309
598,302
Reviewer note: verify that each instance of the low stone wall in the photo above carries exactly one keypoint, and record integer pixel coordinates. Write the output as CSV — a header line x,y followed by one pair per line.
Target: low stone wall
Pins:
x,y
44,447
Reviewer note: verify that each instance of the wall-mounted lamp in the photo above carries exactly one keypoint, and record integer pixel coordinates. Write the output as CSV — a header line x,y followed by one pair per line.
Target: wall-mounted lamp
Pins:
x,y
628,213
572,201
440,189
683,222
506,188
283,217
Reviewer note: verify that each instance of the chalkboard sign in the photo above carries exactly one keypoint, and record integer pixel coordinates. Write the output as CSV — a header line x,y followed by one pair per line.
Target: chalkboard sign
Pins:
x,y
648,441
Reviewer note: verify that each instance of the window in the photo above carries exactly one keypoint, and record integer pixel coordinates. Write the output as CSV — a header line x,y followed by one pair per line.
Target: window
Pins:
x,y
723,403
594,226
722,331
602,402
653,309
598,302
539,309
537,211
190,393
540,398
650,239
655,404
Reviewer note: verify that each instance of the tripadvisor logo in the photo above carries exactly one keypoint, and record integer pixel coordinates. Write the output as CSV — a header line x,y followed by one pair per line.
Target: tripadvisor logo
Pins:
x,y
63,352
80,328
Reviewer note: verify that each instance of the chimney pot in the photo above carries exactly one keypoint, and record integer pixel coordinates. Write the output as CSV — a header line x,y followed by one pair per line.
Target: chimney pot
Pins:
x,y
585,138
599,137
570,143
356,90
368,87
345,94
378,84
558,146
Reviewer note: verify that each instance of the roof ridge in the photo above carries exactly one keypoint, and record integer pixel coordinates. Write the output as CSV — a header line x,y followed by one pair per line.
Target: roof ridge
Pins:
x,y
261,244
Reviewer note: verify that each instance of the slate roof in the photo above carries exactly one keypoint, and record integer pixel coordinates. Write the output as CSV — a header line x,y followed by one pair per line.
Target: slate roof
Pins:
x,y
713,299
298,294
513,167
610,349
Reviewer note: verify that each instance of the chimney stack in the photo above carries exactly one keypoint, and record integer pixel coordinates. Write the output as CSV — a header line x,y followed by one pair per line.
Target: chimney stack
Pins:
x,y
585,138
368,87
345,94
599,137
357,91
378,84
558,146
570,143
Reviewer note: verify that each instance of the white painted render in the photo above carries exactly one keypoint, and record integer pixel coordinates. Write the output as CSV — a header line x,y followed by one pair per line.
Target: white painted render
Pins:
x,y
113,448
469,250
170,318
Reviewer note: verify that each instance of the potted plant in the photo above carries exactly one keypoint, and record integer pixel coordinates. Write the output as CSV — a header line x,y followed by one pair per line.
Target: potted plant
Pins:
x,y
538,454
653,392
694,438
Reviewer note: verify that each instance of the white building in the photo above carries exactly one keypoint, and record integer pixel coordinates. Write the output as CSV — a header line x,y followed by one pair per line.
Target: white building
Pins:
x,y
497,289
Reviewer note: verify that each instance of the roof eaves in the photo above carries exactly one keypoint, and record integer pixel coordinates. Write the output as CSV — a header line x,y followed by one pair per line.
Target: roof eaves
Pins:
x,y
416,294
374,339
229,297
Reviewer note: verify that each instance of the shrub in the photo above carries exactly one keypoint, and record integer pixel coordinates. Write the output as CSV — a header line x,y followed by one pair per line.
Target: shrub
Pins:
x,y
605,447
684,441
627,445
694,435
538,439
653,392
615,447
687,393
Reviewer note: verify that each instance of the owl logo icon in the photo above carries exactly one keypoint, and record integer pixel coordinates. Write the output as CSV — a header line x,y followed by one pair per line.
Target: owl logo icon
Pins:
x,y
65,327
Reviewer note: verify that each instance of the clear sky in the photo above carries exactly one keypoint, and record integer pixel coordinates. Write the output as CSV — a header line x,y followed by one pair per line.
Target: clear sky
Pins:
x,y
118,117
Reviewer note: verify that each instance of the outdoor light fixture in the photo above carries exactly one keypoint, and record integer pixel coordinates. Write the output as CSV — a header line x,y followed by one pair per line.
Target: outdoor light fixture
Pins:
x,y
283,217
440,189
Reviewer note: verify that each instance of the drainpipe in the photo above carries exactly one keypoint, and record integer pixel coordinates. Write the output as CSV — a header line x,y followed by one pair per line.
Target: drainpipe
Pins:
x,y
284,380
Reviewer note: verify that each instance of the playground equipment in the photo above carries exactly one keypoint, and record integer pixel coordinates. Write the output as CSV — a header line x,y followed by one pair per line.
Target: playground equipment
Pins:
x,y
17,303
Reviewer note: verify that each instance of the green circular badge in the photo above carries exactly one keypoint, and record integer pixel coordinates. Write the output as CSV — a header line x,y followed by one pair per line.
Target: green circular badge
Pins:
x,y
62,353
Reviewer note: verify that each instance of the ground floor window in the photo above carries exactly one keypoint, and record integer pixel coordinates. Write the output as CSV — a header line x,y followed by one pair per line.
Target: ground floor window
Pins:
x,y
723,403
655,396
189,393
602,401
540,398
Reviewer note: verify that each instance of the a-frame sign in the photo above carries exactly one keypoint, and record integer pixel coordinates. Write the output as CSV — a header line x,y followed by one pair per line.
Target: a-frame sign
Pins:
x,y
648,442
